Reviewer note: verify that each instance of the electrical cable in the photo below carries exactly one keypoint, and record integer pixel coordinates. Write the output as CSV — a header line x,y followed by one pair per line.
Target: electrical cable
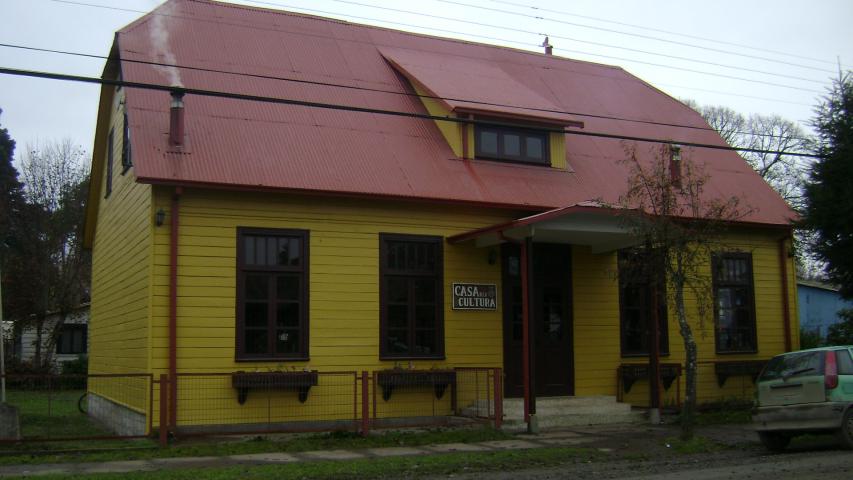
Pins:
x,y
660,30
638,35
329,106
326,12
378,90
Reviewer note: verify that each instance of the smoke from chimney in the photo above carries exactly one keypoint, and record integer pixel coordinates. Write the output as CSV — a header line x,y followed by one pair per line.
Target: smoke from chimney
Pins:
x,y
159,34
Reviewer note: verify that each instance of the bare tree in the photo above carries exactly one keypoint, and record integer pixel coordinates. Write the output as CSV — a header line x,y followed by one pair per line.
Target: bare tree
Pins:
x,y
51,268
666,208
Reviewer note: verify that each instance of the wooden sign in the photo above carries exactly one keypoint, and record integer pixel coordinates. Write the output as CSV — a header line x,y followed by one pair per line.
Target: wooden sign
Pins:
x,y
475,296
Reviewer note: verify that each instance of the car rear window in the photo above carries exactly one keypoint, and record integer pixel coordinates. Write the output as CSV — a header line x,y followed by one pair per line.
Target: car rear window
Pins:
x,y
793,364
845,364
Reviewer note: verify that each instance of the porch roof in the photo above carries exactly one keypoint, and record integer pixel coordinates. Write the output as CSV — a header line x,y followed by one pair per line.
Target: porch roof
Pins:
x,y
586,223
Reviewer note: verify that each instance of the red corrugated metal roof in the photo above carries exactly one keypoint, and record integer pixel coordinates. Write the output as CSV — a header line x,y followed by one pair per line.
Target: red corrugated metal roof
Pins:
x,y
245,144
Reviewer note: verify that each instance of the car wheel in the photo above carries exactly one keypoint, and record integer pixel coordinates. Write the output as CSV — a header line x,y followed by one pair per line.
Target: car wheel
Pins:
x,y
774,441
845,433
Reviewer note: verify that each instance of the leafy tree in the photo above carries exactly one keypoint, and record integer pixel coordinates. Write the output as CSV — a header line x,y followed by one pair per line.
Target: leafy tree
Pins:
x,y
810,338
841,333
829,190
50,269
679,227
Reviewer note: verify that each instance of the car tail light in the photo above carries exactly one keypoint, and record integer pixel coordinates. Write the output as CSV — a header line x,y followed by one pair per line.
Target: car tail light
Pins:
x,y
830,370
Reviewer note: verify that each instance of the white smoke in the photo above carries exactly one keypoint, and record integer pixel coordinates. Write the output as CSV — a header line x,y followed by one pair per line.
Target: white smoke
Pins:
x,y
164,17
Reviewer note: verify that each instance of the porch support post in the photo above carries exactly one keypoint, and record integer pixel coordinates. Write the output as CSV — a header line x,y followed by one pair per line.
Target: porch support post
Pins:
x,y
525,331
529,353
654,355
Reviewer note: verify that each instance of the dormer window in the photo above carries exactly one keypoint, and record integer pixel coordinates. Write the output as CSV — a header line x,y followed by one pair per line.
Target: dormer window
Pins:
x,y
511,144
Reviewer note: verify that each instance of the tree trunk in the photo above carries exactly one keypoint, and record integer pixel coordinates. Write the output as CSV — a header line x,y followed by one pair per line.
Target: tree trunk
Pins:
x,y
38,345
688,410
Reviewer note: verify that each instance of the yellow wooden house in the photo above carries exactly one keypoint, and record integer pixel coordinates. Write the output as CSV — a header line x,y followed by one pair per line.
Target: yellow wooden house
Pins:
x,y
273,191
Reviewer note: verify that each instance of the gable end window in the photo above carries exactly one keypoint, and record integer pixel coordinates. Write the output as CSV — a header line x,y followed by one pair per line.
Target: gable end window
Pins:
x,y
110,159
511,144
126,161
411,276
272,294
637,292
734,303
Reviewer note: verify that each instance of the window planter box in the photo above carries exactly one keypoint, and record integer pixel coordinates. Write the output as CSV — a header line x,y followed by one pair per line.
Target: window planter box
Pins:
x,y
392,379
300,382
630,373
734,368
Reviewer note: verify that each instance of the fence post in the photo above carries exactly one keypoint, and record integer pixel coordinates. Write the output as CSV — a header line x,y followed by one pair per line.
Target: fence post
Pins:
x,y
365,405
499,403
164,410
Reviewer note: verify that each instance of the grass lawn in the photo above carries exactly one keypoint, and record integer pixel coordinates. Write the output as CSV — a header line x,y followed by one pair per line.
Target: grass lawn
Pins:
x,y
236,446
444,464
51,414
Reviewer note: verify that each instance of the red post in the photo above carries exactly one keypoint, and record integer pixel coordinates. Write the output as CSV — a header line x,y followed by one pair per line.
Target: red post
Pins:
x,y
164,410
499,401
365,405
525,332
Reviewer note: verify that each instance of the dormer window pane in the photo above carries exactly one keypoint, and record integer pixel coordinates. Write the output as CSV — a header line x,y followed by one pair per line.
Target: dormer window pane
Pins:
x,y
512,145
488,142
534,147
524,145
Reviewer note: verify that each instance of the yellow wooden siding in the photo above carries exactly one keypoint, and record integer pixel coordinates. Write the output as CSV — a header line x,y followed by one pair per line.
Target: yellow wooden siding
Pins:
x,y
343,293
597,334
121,255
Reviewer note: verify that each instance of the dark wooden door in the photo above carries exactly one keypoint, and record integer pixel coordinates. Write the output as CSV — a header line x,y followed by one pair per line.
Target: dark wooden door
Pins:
x,y
551,320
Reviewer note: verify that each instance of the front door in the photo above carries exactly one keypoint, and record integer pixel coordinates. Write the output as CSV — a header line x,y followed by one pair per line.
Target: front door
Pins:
x,y
551,320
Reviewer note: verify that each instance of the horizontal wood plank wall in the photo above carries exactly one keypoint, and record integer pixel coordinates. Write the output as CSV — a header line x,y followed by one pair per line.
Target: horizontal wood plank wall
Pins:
x,y
343,283
597,334
119,323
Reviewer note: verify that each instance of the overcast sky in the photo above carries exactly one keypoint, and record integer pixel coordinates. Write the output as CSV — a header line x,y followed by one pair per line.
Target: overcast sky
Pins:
x,y
755,56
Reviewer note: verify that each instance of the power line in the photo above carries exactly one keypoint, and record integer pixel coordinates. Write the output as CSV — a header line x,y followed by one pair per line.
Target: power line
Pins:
x,y
379,90
329,106
660,30
638,35
530,32
326,12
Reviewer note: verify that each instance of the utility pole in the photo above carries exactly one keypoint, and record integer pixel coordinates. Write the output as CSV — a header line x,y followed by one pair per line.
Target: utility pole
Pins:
x,y
2,347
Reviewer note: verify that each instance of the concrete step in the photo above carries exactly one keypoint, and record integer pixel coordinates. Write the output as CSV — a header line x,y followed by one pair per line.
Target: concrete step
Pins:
x,y
571,411
554,406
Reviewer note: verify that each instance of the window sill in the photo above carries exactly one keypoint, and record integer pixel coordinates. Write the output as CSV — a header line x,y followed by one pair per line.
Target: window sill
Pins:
x,y
272,359
410,357
643,355
736,352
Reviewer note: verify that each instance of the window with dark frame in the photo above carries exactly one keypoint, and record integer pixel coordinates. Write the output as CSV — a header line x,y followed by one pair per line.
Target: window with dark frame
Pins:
x,y
126,161
272,294
411,276
734,303
110,144
72,339
636,303
511,144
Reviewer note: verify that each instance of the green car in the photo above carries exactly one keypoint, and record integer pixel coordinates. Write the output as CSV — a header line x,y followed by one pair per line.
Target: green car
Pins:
x,y
808,391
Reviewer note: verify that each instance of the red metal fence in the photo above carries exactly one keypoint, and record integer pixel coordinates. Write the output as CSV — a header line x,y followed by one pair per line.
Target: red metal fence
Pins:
x,y
77,407
66,407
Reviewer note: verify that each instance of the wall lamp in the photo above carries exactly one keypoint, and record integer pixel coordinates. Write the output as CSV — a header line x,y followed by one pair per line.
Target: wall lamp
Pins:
x,y
160,217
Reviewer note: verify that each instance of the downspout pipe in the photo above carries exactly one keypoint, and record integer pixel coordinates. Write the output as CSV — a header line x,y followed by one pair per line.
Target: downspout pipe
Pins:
x,y
173,307
786,300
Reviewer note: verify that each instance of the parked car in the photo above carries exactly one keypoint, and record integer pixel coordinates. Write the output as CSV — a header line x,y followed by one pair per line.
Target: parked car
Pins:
x,y
808,391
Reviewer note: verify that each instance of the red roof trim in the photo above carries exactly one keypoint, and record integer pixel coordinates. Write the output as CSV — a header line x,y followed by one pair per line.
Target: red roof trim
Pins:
x,y
340,194
572,209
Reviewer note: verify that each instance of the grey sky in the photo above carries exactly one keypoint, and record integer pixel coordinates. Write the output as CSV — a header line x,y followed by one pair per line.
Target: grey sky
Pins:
x,y
812,34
